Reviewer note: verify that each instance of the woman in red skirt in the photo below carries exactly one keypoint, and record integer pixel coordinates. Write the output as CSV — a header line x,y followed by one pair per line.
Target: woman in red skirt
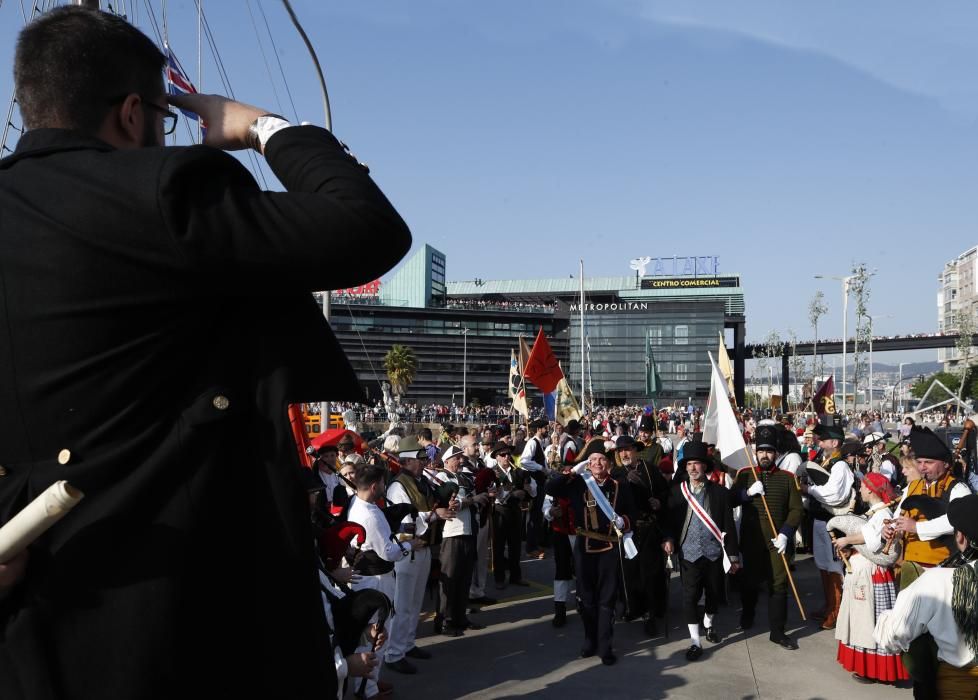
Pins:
x,y
869,589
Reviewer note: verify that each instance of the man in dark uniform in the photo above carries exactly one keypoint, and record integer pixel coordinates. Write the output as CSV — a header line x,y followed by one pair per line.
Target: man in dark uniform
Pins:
x,y
514,489
702,530
155,305
761,548
646,579
596,550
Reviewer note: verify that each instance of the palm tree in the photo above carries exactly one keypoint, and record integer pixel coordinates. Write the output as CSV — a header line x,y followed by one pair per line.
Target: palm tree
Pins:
x,y
402,367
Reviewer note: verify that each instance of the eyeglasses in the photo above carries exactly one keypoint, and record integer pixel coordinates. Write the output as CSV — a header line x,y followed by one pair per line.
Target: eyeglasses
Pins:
x,y
169,118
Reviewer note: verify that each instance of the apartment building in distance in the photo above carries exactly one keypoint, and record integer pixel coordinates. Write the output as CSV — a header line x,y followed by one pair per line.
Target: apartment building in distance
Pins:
x,y
957,296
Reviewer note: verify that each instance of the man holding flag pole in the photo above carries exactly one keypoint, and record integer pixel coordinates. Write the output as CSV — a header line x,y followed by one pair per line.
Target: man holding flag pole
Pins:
x,y
772,510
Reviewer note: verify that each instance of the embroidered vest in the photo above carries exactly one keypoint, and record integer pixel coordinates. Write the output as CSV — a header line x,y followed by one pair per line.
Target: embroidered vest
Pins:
x,y
423,502
932,551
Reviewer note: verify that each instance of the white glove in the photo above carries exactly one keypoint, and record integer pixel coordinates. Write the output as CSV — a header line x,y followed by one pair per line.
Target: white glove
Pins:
x,y
580,468
755,489
780,543
619,522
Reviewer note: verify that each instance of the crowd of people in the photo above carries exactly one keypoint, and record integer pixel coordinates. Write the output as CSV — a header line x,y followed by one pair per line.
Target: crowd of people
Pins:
x,y
620,505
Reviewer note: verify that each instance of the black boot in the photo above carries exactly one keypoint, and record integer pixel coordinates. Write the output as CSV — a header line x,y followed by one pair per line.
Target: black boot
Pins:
x,y
560,614
777,615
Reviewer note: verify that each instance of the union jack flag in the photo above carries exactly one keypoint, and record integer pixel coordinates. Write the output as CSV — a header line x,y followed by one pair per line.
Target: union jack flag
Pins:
x,y
177,82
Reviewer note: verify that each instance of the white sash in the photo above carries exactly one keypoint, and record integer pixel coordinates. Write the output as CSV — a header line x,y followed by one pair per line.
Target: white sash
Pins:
x,y
708,521
631,551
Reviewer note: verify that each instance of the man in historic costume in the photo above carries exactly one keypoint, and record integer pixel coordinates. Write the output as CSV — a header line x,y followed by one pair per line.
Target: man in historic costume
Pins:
x,y
411,573
650,451
514,491
646,578
381,548
154,321
484,478
570,444
557,511
603,510
702,530
534,461
833,497
943,602
761,548
926,541
458,545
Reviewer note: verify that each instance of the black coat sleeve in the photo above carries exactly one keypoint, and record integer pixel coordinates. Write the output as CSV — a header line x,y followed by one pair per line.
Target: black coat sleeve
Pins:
x,y
332,228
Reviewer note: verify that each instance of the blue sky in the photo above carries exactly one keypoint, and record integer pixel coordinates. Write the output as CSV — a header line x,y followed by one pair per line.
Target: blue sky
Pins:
x,y
788,139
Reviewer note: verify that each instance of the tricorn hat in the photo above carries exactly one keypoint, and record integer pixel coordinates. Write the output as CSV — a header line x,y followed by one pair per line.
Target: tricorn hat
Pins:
x,y
926,444
410,448
594,446
625,441
829,431
500,447
647,424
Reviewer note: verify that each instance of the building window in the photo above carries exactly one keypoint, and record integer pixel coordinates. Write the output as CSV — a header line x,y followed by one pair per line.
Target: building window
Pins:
x,y
682,335
681,371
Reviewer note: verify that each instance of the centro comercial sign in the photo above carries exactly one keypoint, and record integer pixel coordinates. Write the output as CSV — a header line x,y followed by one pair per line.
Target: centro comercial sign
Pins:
x,y
689,282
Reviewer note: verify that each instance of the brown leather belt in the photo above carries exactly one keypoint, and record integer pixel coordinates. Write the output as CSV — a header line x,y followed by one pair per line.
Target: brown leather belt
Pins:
x,y
597,535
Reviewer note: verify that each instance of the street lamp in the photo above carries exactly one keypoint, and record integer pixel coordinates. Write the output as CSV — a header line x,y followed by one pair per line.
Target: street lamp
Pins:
x,y
465,366
871,319
845,326
899,382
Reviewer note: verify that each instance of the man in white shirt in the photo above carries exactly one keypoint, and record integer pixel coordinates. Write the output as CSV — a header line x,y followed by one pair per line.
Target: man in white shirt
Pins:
x,y
380,550
942,603
411,573
825,501
458,546
533,459
473,464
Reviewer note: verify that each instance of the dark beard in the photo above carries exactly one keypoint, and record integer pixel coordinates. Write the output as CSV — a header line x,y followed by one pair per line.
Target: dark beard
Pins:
x,y
765,463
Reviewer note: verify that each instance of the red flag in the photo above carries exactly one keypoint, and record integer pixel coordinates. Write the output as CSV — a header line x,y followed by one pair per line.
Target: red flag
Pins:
x,y
542,367
299,434
824,400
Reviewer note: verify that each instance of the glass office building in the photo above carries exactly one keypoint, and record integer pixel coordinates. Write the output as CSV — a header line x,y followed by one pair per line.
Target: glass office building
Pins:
x,y
464,332
623,342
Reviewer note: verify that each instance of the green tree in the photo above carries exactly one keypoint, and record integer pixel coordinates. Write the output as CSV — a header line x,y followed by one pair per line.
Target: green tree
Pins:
x,y
948,379
402,368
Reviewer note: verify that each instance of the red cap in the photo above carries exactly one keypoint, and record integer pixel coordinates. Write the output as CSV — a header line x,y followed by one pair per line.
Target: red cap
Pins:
x,y
880,485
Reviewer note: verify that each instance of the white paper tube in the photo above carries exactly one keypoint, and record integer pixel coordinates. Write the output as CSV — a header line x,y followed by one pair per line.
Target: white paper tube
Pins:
x,y
34,520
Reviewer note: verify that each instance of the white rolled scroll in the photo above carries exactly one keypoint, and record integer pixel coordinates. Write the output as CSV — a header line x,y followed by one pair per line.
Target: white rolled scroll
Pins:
x,y
35,519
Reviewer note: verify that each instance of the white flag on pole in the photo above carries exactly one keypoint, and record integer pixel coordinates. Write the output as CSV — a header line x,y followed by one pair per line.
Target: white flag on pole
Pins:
x,y
720,424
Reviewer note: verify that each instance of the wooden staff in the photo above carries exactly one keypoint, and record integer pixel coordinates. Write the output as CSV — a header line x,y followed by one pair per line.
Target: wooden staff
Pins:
x,y
770,520
842,555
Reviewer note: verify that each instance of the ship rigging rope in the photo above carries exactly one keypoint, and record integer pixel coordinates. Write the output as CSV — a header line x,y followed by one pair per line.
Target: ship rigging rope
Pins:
x,y
268,69
278,60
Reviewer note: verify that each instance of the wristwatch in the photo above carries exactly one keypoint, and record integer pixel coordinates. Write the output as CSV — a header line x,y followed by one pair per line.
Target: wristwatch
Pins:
x,y
264,128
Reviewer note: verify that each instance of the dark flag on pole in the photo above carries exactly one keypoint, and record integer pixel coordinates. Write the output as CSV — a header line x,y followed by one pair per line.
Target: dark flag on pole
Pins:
x,y
653,382
824,400
542,367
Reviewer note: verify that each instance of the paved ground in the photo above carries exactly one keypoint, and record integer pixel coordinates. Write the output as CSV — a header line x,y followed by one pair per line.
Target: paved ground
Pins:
x,y
520,655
